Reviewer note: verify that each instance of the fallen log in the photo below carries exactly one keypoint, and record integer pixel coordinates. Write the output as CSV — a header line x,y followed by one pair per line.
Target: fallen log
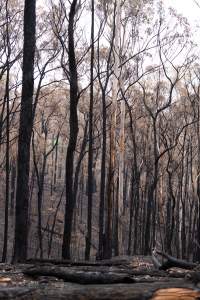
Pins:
x,y
136,291
171,262
176,293
65,262
145,288
80,277
148,291
16,293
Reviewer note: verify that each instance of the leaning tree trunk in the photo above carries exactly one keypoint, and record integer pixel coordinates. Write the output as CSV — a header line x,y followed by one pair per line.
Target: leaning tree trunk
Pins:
x,y
25,131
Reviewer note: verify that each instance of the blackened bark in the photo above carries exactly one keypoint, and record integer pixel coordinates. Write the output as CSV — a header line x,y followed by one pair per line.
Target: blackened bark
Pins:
x,y
40,181
73,123
170,227
40,175
80,158
135,185
7,98
147,236
52,171
25,131
198,220
12,194
131,210
102,235
55,168
90,154
109,212
54,224
116,223
103,181
182,200
151,201
197,254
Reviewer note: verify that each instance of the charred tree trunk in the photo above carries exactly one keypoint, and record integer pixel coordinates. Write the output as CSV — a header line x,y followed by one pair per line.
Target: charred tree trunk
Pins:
x,y
112,199
55,168
25,131
170,219
103,181
131,211
73,123
182,201
54,224
151,205
7,99
102,231
80,159
12,194
197,255
90,153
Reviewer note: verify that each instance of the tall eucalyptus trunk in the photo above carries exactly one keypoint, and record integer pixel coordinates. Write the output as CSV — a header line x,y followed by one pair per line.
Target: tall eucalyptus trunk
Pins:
x,y
25,132
73,134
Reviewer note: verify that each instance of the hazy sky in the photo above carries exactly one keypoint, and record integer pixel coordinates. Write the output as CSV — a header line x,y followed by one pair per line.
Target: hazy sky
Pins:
x,y
186,7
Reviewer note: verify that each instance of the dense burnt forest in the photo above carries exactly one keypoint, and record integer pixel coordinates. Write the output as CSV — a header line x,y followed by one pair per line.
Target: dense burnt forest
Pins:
x,y
99,144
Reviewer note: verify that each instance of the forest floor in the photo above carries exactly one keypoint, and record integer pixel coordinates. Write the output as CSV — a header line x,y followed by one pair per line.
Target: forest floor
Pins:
x,y
133,278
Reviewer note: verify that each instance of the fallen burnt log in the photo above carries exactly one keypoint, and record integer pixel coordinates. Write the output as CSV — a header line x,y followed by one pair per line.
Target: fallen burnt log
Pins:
x,y
79,276
171,262
69,291
122,267
17,293
147,291
45,284
176,293
65,262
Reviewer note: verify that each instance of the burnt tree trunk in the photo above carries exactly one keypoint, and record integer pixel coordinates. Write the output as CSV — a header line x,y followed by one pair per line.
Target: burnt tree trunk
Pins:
x,y
73,123
90,154
197,254
103,181
25,132
12,193
7,99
